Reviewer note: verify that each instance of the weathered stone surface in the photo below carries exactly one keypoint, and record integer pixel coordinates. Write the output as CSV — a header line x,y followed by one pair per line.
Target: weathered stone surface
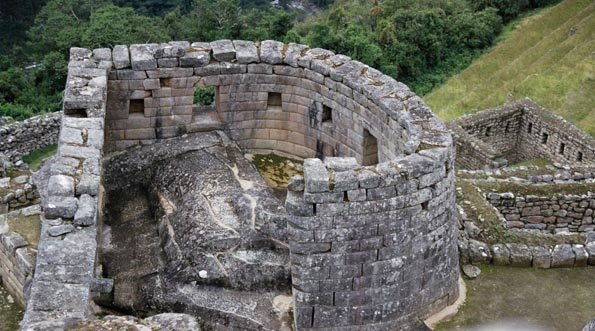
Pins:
x,y
542,257
296,184
121,57
195,59
479,252
471,271
317,177
62,186
520,255
85,214
500,254
563,256
246,51
142,57
60,207
223,50
271,52
60,230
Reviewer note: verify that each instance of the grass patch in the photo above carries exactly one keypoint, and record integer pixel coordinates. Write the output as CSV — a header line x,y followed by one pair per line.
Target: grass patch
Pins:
x,y
547,190
546,56
277,170
527,295
29,227
35,158
14,172
542,163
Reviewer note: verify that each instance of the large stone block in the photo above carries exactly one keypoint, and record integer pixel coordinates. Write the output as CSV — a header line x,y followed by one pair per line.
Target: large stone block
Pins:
x,y
142,57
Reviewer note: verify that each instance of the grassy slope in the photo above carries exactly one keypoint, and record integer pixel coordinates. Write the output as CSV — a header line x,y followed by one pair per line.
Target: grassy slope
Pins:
x,y
540,59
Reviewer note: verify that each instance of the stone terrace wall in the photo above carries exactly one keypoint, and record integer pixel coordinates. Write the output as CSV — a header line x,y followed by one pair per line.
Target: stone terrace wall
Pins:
x,y
370,246
64,280
558,213
520,131
21,138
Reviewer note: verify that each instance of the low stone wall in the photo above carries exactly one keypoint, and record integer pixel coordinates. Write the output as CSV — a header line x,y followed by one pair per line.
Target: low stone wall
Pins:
x,y
21,138
521,255
520,131
554,214
64,282
472,153
17,193
17,256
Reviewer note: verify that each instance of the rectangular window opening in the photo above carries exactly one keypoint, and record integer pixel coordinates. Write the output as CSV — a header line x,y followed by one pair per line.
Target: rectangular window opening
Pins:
x,y
274,100
205,96
488,131
579,157
544,137
81,112
327,114
370,150
530,128
562,148
136,106
507,128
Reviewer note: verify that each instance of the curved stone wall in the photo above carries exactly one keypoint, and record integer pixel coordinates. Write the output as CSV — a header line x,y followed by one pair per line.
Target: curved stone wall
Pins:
x,y
371,246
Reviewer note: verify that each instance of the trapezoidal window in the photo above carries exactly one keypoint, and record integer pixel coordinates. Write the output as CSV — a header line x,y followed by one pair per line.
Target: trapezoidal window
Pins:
x,y
562,148
530,128
488,131
205,96
579,157
327,114
136,106
544,137
507,128
274,100
370,151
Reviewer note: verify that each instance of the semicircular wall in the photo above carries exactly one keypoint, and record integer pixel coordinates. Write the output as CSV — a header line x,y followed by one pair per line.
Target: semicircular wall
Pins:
x,y
372,235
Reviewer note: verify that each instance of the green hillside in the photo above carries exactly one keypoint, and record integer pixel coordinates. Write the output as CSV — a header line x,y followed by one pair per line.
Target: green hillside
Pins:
x,y
548,57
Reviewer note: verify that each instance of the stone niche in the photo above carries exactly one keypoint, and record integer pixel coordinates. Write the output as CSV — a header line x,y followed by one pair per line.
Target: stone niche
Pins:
x,y
371,226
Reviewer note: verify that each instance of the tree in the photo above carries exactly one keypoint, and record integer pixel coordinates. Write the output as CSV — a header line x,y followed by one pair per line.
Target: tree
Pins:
x,y
111,25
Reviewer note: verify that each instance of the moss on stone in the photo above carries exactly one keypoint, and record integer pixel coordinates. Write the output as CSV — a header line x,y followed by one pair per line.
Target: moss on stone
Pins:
x,y
277,170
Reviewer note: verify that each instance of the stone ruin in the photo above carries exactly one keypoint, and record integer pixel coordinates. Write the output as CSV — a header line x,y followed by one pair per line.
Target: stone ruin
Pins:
x,y
517,132
153,207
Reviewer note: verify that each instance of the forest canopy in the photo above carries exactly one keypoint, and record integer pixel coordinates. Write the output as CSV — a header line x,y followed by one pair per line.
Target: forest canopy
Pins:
x,y
420,43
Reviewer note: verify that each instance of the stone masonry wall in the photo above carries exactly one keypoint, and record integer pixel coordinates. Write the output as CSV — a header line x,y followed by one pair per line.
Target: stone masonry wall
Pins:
x,y
64,280
159,80
375,246
554,214
520,131
370,246
17,256
21,138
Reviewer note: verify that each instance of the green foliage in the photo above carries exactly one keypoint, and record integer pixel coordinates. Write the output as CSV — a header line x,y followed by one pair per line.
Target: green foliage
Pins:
x,y
204,96
35,158
111,25
407,39
16,111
